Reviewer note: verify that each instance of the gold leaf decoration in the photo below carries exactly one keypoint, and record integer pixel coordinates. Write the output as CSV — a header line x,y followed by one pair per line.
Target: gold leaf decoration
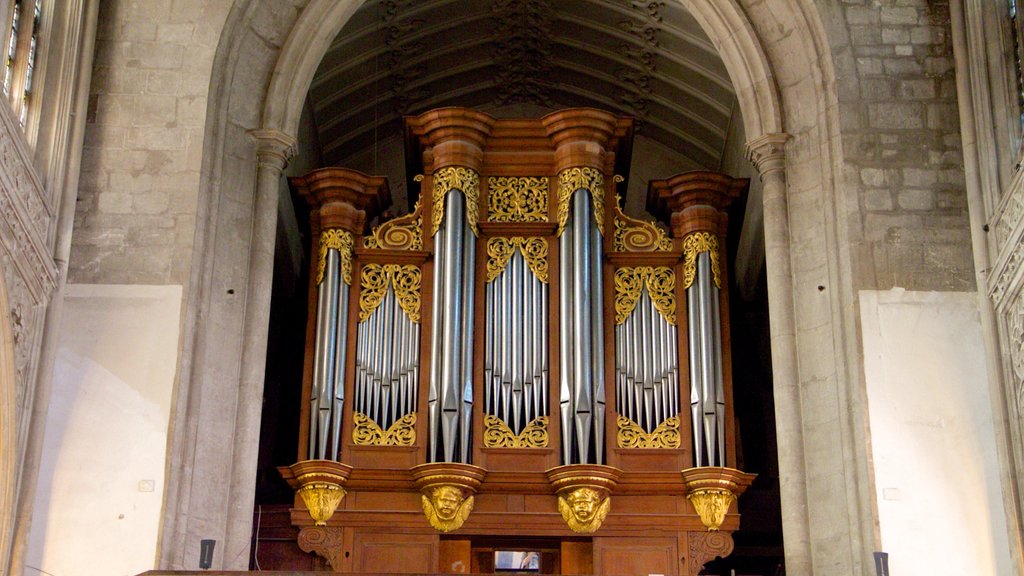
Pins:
x,y
711,505
580,178
498,435
660,282
632,235
456,178
447,507
631,435
374,281
522,199
342,241
693,244
402,233
584,509
366,432
321,499
500,250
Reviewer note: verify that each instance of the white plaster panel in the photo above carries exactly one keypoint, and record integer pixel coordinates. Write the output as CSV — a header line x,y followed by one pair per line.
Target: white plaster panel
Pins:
x,y
936,481
106,432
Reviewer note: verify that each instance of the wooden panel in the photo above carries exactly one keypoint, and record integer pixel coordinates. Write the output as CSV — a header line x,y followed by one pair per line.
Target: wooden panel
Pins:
x,y
456,556
577,557
636,556
394,553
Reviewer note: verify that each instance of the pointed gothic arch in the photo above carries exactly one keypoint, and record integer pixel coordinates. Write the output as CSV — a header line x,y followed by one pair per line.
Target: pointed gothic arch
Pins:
x,y
781,67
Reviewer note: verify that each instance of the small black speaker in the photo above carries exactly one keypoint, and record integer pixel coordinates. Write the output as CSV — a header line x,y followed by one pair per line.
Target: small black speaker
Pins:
x,y
206,553
882,563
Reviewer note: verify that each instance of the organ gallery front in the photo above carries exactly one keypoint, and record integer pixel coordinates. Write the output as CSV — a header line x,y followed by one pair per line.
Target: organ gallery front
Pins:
x,y
516,371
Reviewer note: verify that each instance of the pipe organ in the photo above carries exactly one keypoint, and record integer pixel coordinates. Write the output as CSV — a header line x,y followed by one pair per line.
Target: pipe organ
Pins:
x,y
514,354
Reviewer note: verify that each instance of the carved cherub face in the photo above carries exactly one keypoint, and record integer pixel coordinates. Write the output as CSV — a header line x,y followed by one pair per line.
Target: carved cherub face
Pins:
x,y
446,507
446,501
584,509
584,503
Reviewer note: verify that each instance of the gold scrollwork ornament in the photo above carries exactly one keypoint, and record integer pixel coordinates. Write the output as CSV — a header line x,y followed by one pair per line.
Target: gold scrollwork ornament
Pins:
x,y
630,282
631,435
343,242
447,507
402,233
374,281
580,178
366,432
456,178
322,499
500,250
517,199
632,235
694,244
584,509
497,434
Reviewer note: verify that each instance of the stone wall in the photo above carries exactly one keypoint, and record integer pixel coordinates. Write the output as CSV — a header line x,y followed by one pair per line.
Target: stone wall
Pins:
x,y
144,141
901,143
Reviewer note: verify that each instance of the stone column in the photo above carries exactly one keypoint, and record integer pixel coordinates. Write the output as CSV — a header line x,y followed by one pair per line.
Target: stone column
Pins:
x,y
767,153
274,148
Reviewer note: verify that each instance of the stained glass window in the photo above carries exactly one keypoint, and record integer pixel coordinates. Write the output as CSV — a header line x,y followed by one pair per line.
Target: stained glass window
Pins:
x,y
12,49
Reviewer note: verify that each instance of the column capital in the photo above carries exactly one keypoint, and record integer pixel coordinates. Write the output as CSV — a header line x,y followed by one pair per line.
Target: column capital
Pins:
x,y
273,147
768,153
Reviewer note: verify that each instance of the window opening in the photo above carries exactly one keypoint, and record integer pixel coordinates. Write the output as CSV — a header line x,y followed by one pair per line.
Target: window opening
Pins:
x,y
31,62
1018,67
12,49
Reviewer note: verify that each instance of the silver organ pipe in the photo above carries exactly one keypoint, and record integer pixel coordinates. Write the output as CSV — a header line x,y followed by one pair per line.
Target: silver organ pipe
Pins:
x,y
582,340
451,387
707,393
646,363
326,367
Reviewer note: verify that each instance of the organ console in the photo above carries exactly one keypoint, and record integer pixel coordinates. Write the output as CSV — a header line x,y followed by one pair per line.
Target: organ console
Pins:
x,y
516,362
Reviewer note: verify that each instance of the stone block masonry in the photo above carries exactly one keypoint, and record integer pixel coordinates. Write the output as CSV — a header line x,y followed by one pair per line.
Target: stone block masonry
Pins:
x,y
141,163
901,144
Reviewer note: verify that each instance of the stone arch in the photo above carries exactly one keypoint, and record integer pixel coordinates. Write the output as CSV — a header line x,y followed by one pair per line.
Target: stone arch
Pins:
x,y
8,427
778,59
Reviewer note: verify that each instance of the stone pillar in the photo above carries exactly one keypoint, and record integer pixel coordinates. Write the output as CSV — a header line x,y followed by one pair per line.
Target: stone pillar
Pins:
x,y
767,153
274,148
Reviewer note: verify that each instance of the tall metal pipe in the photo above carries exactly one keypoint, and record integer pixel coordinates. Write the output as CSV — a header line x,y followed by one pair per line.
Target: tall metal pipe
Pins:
x,y
436,353
339,369
466,354
597,340
451,357
565,338
696,375
582,368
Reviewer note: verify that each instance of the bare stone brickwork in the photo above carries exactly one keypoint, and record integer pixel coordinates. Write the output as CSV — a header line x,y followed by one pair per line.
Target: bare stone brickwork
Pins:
x,y
901,143
143,151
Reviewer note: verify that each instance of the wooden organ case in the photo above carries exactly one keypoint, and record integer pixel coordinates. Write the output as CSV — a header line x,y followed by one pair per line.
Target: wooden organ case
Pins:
x,y
516,364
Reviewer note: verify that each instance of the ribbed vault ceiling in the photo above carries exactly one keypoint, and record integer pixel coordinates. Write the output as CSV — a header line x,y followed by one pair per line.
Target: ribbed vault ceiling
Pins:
x,y
646,59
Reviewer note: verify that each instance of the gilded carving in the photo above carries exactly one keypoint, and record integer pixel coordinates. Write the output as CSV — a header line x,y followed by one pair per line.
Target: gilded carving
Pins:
x,y
322,499
374,281
660,283
631,435
693,244
711,505
342,241
584,509
517,199
456,178
497,434
632,235
500,250
580,178
402,233
447,506
366,432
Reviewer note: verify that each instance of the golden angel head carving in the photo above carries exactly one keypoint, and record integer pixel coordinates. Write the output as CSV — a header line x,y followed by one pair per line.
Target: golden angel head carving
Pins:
x,y
447,507
584,509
